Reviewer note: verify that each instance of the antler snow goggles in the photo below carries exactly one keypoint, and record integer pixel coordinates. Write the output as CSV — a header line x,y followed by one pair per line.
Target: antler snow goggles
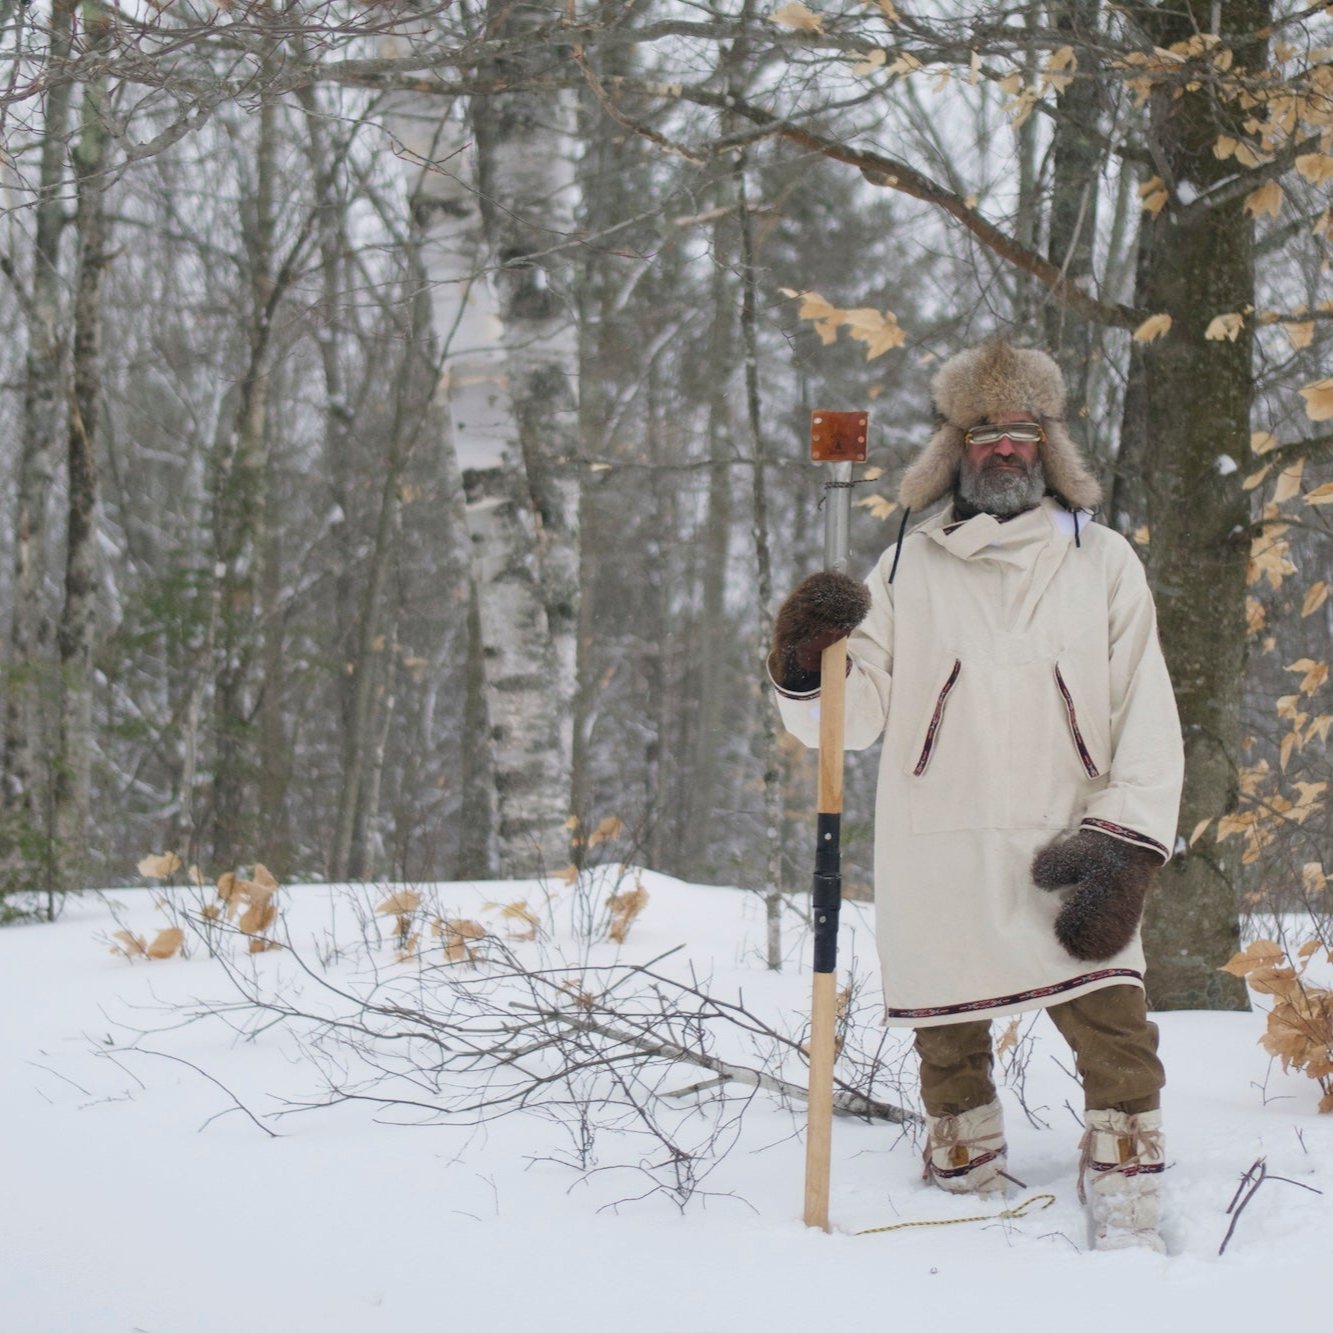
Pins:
x,y
1021,432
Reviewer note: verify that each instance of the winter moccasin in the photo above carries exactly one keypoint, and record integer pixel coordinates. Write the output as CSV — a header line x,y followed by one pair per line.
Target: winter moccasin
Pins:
x,y
1119,1178
967,1154
984,382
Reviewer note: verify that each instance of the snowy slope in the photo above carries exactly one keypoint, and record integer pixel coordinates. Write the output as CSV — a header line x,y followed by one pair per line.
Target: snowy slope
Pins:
x,y
139,1195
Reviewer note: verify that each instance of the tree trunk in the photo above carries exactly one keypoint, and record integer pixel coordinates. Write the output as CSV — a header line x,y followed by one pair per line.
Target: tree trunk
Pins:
x,y
25,779
1076,163
238,528
498,448
714,633
78,623
525,160
1197,396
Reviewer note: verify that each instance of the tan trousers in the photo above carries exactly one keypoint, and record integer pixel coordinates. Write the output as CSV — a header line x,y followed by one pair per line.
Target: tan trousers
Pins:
x,y
1114,1045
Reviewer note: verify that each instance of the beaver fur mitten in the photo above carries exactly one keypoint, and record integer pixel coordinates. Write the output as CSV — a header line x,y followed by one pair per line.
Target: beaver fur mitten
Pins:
x,y
822,609
1108,879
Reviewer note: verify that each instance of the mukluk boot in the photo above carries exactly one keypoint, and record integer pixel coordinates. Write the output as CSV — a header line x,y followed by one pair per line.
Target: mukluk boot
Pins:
x,y
966,1153
1119,1178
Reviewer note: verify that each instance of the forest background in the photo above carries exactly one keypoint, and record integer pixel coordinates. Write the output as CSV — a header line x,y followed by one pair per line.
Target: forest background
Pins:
x,y
405,412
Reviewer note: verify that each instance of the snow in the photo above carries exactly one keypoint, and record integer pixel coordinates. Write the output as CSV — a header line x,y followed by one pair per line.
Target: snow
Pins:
x,y
138,1196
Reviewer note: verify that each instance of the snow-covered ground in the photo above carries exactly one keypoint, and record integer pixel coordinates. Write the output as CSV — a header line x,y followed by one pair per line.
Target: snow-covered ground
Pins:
x,y
142,1189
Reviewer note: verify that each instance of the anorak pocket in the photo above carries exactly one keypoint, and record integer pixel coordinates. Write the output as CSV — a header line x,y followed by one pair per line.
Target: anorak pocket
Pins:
x,y
936,720
1087,748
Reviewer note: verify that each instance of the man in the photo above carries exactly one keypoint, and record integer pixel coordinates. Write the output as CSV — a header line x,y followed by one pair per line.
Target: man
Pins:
x,y
1006,650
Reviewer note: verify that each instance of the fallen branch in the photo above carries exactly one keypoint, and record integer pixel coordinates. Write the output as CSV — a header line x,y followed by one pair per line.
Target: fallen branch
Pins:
x,y
846,1101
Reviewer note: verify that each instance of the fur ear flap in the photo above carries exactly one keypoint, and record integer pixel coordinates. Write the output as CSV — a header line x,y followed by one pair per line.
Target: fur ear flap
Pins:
x,y
1066,473
935,470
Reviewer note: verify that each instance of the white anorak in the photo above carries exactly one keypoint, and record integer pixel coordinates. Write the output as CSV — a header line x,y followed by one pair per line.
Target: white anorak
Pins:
x,y
1018,684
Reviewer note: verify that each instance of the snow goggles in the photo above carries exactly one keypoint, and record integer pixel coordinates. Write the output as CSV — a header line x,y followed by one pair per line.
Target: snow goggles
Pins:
x,y
1021,432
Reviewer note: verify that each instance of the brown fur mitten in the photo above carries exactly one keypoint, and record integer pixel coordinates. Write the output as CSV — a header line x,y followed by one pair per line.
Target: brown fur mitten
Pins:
x,y
1108,880
824,608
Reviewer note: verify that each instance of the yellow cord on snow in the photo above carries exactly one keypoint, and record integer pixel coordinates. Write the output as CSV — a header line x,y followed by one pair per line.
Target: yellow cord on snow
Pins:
x,y
1016,1211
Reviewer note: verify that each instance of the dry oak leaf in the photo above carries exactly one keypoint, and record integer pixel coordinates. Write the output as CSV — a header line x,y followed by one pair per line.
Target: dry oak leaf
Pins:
x,y
1225,328
880,332
825,316
869,61
1289,482
520,912
1321,495
1260,953
1152,328
625,907
167,944
1299,335
1315,167
796,15
1261,441
1060,67
1154,195
1319,726
1316,595
132,946
1266,199
610,827
878,505
402,903
258,917
1316,673
1269,559
1318,400
160,865
457,932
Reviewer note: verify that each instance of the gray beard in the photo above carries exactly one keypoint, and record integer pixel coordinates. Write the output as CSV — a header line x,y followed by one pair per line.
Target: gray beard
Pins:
x,y
1002,491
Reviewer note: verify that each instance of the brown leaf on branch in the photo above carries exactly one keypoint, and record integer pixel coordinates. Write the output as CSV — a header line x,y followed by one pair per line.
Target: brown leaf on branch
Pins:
x,y
402,903
167,944
1315,674
796,16
131,946
160,865
1266,199
1318,400
625,908
1261,953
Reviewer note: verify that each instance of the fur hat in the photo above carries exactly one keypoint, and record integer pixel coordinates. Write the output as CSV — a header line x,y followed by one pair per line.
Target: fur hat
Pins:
x,y
986,381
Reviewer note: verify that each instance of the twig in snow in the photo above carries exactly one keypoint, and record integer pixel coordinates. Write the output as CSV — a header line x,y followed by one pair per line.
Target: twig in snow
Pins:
x,y
1253,1178
203,1073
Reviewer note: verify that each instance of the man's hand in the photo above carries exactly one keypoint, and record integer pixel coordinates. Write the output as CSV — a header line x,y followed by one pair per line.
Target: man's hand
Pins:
x,y
824,608
1108,879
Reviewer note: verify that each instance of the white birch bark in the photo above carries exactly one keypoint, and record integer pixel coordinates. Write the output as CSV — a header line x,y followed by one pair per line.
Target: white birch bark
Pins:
x,y
528,659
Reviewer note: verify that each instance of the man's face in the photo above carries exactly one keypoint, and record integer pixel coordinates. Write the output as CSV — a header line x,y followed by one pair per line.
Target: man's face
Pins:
x,y
1003,477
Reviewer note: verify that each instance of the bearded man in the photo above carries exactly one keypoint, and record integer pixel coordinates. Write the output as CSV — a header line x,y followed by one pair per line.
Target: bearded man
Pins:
x,y
1006,652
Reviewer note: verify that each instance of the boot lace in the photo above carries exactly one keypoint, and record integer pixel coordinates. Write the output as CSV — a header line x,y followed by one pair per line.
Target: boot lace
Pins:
x,y
1136,1143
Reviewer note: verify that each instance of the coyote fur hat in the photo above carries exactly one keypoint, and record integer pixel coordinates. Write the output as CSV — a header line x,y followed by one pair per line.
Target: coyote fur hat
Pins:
x,y
984,382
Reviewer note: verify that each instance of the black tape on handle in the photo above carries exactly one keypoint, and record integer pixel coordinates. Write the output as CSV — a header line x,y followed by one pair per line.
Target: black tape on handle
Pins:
x,y
827,896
